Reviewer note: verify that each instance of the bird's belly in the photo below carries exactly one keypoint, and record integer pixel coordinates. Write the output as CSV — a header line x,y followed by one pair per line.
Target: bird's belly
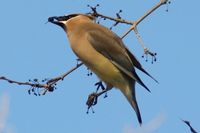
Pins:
x,y
106,71
101,66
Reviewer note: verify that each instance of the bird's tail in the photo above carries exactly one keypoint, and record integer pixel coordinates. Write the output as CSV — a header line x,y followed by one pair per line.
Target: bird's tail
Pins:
x,y
129,93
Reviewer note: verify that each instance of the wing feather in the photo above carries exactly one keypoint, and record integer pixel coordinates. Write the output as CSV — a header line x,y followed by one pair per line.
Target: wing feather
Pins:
x,y
111,46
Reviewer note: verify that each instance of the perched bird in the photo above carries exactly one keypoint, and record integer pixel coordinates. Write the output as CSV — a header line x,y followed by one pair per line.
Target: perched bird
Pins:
x,y
104,53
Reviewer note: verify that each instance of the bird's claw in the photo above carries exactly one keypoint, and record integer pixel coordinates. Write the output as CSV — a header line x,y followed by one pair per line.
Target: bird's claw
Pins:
x,y
99,84
91,101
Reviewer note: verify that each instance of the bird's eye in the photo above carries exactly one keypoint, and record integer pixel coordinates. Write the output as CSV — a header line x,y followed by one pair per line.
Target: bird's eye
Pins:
x,y
71,16
61,18
65,18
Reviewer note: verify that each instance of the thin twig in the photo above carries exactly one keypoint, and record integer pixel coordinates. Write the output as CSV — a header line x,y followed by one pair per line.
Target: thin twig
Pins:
x,y
24,83
48,85
61,77
134,28
113,19
135,24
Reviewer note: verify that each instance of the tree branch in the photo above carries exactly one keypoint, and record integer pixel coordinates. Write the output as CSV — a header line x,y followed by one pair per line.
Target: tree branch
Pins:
x,y
113,19
48,86
136,23
61,77
133,24
23,83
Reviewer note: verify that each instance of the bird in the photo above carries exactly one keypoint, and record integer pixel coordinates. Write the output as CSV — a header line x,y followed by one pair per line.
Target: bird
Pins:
x,y
104,53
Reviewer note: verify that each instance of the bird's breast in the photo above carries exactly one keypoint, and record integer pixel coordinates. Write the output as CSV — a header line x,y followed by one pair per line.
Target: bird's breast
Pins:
x,y
95,61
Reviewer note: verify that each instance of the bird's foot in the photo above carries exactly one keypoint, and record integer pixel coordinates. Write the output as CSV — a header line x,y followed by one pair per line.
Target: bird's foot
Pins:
x,y
100,85
92,100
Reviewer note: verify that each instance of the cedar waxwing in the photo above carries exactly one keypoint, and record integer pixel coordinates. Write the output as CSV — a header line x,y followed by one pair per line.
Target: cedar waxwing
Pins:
x,y
104,53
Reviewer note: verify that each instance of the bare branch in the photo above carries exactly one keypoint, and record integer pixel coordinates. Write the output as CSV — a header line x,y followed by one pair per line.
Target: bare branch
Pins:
x,y
48,86
162,2
135,24
23,83
113,19
61,77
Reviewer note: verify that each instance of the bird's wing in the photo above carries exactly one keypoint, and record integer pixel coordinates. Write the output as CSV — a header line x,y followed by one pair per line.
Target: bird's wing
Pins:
x,y
111,46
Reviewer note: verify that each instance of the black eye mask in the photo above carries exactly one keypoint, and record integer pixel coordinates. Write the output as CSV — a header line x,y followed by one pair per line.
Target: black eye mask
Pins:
x,y
61,18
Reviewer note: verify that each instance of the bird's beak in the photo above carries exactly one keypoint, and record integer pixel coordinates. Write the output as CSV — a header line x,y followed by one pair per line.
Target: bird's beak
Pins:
x,y
57,20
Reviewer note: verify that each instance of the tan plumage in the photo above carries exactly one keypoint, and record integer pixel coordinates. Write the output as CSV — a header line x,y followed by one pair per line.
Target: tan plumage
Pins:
x,y
104,53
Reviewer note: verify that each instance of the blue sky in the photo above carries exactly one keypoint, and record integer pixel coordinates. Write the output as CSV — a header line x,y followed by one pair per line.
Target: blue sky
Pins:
x,y
29,48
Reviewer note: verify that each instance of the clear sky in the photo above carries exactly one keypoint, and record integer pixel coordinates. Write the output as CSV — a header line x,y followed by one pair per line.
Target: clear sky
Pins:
x,y
29,49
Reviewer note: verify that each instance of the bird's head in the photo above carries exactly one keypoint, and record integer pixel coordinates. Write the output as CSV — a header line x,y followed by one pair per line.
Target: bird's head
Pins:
x,y
62,21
